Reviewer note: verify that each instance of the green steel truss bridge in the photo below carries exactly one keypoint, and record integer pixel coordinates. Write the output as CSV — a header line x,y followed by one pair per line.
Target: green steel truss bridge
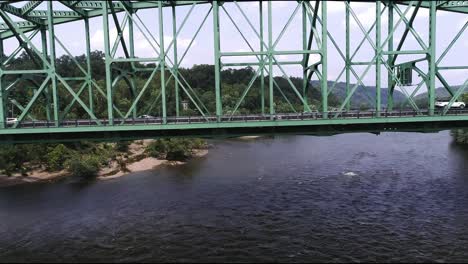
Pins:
x,y
27,23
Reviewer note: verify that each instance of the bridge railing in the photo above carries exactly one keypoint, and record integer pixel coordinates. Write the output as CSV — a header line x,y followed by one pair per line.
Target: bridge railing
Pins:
x,y
279,117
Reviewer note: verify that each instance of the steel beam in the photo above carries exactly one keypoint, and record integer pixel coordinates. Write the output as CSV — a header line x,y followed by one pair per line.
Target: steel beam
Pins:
x,y
432,57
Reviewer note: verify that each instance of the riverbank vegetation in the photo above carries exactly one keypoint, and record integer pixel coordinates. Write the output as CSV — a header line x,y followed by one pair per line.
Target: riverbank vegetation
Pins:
x,y
87,159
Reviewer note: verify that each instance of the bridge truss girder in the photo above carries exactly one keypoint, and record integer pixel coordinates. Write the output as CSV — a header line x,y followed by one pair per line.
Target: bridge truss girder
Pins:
x,y
314,30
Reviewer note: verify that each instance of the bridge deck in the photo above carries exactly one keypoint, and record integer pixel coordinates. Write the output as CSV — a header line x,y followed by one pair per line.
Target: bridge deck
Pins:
x,y
229,126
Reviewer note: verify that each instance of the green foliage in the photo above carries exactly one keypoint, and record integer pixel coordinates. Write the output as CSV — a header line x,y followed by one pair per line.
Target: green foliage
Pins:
x,y
174,148
57,157
460,136
464,98
157,149
83,166
122,146
10,160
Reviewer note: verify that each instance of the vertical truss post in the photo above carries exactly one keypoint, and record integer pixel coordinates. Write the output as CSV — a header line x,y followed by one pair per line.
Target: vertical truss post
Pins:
x,y
270,60
131,37
88,65
51,70
390,83
2,99
304,56
432,58
217,59
176,63
45,55
108,62
262,58
378,31
162,62
324,61
347,60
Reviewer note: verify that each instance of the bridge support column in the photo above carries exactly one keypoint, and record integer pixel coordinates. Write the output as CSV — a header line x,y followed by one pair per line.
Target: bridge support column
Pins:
x,y
378,51
432,56
347,59
162,62
88,66
176,63
45,56
217,57
262,58
108,63
304,56
390,82
324,85
132,55
52,62
2,97
270,62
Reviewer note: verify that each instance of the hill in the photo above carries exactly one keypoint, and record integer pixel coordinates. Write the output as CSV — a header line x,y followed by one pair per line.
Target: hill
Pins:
x,y
363,95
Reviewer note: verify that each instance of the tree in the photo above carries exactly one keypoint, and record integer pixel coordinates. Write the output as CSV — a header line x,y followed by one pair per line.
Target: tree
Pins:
x,y
57,157
83,166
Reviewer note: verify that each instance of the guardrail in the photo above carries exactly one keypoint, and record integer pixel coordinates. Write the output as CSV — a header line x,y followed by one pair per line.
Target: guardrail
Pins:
x,y
236,118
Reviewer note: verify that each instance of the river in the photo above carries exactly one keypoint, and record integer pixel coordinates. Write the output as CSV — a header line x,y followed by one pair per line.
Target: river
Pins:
x,y
350,197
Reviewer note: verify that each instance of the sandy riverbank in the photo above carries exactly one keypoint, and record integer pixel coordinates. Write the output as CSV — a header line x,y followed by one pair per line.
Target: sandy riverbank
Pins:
x,y
37,175
135,161
249,137
149,163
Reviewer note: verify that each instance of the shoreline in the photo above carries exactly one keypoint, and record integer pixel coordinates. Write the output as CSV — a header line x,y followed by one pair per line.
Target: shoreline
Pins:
x,y
149,163
105,173
249,137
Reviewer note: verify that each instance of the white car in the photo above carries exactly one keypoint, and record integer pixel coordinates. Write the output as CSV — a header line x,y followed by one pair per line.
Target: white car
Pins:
x,y
11,121
146,116
444,103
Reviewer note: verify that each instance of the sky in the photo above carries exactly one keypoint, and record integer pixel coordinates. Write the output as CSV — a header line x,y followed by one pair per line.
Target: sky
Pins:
x,y
202,51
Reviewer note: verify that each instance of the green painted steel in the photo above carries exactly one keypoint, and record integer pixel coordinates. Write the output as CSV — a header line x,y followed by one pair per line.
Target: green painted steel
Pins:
x,y
390,82
2,90
262,59
324,84
88,65
51,69
176,66
217,58
432,56
378,31
270,60
110,111
162,62
85,92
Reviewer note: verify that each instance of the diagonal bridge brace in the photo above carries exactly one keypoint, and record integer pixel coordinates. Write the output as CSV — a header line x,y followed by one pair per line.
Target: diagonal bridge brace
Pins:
x,y
21,35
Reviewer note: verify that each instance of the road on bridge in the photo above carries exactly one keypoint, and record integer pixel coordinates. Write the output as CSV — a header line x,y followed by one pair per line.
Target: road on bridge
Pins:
x,y
235,118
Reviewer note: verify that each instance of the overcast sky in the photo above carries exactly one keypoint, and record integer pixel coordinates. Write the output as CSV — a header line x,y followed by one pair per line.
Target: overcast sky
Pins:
x,y
201,52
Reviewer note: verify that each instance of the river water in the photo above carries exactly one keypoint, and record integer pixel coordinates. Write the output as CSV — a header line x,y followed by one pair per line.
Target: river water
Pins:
x,y
352,197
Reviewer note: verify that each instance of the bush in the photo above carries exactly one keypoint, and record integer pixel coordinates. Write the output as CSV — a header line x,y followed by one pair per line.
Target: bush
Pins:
x,y
158,148
174,148
57,157
83,166
177,150
10,161
198,143
122,146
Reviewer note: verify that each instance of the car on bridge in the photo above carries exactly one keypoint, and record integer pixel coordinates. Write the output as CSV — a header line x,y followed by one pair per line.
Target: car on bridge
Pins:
x,y
11,121
444,102
146,117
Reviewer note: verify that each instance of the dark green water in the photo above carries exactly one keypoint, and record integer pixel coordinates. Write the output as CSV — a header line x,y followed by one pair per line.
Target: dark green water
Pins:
x,y
356,197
